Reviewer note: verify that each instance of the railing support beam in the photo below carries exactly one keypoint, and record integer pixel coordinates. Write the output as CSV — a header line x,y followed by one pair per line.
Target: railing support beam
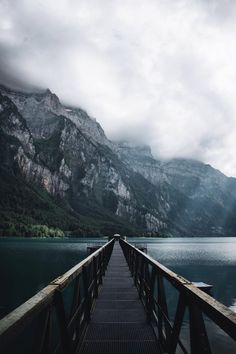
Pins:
x,y
60,310
199,303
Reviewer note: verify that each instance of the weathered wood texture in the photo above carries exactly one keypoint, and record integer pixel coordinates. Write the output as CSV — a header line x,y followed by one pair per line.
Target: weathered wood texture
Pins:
x,y
63,318
149,277
64,305
118,322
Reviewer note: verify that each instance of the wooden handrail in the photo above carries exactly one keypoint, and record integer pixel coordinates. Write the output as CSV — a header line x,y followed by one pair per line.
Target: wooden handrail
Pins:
x,y
17,320
190,296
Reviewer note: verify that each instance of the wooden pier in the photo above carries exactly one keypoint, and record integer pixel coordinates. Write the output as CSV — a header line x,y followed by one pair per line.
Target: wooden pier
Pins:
x,y
118,323
115,301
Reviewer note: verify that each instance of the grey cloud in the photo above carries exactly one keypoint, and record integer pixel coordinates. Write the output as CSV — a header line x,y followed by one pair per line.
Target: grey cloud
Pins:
x,y
159,72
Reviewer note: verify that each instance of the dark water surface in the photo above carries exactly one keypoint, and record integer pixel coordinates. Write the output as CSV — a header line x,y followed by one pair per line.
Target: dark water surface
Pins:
x,y
210,260
27,265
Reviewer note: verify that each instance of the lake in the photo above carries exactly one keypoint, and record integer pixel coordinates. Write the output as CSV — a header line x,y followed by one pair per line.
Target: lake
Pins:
x,y
27,265
210,260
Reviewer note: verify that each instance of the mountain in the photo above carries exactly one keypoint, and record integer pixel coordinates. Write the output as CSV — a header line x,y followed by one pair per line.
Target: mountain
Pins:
x,y
208,197
59,169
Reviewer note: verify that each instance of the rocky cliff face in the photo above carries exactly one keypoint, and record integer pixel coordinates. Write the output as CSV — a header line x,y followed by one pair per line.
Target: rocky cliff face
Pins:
x,y
68,163
24,154
41,111
207,197
66,152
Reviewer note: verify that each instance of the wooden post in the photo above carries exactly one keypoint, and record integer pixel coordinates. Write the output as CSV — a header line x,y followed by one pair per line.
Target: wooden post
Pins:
x,y
141,278
150,296
146,286
100,267
159,311
128,257
60,310
163,305
44,347
177,324
95,277
87,301
103,262
198,336
132,262
136,269
75,296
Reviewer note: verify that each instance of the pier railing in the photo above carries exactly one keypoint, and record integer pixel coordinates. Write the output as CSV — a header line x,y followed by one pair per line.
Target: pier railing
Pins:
x,y
54,320
151,278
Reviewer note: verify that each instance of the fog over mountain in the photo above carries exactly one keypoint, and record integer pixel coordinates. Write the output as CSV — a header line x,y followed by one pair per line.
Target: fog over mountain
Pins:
x,y
59,170
156,72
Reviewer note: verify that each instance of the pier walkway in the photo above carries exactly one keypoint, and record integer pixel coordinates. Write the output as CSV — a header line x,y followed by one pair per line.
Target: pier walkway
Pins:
x,y
119,300
119,322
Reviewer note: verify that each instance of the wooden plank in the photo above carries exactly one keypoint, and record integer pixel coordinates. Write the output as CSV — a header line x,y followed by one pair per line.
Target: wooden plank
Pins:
x,y
116,326
15,322
198,335
177,325
64,334
95,277
219,313
42,344
67,277
86,294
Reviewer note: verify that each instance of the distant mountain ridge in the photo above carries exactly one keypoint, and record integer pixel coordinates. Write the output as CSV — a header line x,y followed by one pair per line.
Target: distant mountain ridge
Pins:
x,y
99,185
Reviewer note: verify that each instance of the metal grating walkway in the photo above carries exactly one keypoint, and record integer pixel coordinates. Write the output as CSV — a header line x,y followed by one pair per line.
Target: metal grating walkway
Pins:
x,y
118,323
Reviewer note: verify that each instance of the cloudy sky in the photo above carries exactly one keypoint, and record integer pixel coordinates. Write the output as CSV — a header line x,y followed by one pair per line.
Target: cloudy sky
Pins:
x,y
161,72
